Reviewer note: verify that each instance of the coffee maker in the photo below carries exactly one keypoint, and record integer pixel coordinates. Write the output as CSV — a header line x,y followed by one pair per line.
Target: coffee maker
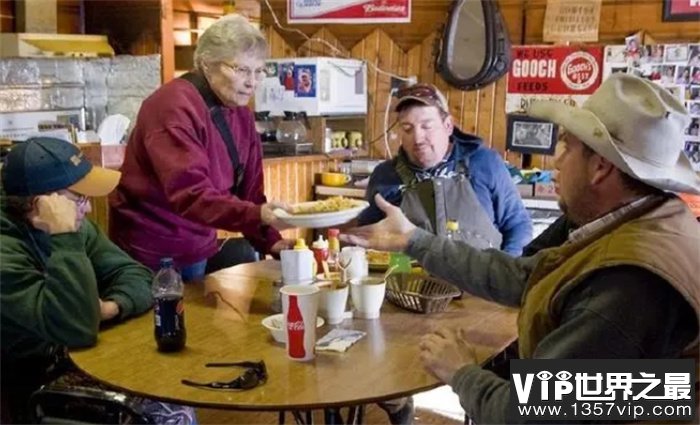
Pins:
x,y
265,126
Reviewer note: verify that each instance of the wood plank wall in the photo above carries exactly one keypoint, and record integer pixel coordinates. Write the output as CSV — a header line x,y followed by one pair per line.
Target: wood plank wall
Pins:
x,y
403,49
292,181
394,48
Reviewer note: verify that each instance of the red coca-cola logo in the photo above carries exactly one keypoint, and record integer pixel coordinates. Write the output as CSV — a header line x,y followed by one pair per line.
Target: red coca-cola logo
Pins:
x,y
296,326
579,70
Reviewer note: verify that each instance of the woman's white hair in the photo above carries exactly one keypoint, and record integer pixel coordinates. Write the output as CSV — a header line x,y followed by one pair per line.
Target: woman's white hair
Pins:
x,y
227,38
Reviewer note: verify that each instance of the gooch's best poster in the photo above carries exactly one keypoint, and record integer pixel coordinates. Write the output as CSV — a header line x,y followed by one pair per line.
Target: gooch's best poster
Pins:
x,y
562,73
348,11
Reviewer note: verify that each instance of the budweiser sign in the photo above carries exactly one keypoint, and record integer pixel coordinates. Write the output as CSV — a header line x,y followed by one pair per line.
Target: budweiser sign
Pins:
x,y
381,8
348,11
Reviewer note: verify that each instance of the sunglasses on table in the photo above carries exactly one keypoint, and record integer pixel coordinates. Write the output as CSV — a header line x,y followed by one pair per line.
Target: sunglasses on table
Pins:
x,y
255,374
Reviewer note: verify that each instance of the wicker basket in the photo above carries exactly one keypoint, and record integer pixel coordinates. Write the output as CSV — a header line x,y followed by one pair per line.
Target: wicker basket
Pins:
x,y
419,293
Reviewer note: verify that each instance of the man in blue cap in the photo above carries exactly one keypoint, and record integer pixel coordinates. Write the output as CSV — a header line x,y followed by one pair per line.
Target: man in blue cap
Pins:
x,y
61,276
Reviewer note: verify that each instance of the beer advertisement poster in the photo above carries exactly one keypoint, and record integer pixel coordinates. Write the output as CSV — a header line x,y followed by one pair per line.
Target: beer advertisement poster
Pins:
x,y
348,11
564,73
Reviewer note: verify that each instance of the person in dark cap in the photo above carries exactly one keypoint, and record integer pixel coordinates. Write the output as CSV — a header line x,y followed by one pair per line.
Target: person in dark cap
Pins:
x,y
442,174
61,276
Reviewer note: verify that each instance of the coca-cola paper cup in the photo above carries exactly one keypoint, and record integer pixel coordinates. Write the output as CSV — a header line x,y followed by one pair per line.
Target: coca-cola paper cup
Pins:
x,y
299,308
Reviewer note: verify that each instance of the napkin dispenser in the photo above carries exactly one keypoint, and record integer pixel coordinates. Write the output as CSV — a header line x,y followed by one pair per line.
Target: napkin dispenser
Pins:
x,y
298,264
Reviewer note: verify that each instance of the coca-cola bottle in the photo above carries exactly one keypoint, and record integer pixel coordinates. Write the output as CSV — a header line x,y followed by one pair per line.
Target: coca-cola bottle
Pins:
x,y
295,330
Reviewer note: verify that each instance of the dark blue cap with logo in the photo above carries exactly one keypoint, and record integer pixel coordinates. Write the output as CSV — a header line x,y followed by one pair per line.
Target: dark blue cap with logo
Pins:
x,y
45,164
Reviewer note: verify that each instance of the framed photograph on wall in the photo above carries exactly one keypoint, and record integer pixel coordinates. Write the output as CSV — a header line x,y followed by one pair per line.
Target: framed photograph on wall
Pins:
x,y
531,135
681,10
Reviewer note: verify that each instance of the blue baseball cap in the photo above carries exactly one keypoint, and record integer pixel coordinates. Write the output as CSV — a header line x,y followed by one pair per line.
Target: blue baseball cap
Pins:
x,y
45,164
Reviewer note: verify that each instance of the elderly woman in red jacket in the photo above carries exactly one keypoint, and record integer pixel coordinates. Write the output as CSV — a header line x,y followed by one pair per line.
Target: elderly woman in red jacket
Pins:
x,y
193,163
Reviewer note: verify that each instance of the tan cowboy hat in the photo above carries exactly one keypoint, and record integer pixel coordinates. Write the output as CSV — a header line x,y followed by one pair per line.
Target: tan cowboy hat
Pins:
x,y
635,124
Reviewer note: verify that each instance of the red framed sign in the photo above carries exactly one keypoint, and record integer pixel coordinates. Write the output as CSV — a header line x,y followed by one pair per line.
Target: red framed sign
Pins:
x,y
681,10
565,73
348,11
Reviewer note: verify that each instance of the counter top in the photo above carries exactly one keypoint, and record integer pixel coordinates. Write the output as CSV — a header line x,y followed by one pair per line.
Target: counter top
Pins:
x,y
350,191
335,156
272,159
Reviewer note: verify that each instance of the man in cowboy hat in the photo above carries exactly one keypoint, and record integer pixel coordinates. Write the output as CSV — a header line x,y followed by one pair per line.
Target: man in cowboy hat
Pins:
x,y
622,285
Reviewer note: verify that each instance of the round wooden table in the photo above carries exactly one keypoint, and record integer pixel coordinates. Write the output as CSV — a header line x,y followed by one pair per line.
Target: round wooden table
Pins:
x,y
223,318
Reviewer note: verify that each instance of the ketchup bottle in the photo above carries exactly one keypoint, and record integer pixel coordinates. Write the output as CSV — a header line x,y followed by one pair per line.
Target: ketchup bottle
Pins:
x,y
320,249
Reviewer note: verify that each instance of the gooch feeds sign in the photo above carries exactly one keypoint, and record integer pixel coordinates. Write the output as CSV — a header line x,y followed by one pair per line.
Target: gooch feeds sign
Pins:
x,y
563,73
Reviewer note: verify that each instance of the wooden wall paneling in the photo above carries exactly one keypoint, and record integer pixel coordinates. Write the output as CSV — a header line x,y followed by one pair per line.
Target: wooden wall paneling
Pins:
x,y
132,27
455,103
167,48
400,67
316,45
514,15
279,48
274,192
513,12
69,16
484,113
366,49
7,16
99,213
427,63
413,60
383,88
460,113
388,57
514,158
498,137
470,108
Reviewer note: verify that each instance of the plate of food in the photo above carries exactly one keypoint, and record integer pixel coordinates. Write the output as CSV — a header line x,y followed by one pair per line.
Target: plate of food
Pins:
x,y
324,213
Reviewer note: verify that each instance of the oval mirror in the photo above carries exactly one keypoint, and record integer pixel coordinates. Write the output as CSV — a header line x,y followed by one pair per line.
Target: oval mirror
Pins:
x,y
475,48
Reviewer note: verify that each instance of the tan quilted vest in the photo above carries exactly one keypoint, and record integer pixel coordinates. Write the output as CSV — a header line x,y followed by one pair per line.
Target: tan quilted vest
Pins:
x,y
661,236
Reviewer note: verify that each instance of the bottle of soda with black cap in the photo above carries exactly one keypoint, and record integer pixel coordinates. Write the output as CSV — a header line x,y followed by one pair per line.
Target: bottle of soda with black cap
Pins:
x,y
169,308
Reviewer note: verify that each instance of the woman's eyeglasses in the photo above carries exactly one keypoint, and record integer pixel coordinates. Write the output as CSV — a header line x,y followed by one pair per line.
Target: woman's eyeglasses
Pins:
x,y
245,73
255,374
